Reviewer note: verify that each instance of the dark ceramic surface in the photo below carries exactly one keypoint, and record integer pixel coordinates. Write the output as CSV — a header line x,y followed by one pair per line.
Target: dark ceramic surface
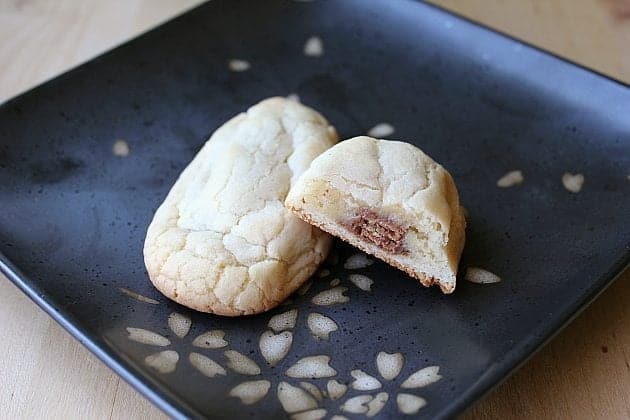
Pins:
x,y
73,216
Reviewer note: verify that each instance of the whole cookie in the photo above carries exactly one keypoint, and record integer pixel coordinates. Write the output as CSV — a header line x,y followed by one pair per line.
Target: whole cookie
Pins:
x,y
389,199
222,241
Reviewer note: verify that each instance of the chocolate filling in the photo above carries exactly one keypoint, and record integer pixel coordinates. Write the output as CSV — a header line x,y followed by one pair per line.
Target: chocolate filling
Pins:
x,y
381,231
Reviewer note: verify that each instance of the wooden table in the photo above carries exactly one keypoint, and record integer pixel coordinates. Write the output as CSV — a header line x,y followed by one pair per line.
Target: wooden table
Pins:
x,y
44,373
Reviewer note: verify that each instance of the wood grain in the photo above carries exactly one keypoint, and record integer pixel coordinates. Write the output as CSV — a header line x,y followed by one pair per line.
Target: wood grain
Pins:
x,y
594,33
44,373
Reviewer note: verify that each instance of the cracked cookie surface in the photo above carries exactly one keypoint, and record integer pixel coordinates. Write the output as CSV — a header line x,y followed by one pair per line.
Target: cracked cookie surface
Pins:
x,y
222,241
389,199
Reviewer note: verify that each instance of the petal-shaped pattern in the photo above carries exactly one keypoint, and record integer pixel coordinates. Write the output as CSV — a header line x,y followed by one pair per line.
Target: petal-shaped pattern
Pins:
x,y
331,297
376,405
357,261
283,321
274,347
310,415
510,179
179,324
294,399
240,363
363,381
480,276
163,362
423,377
210,340
336,389
381,130
138,296
312,367
251,392
361,281
206,365
389,365
238,65
356,405
320,325
293,97
147,337
313,390
313,47
409,404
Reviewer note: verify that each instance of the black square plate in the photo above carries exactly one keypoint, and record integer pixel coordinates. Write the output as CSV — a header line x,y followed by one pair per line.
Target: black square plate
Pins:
x,y
73,215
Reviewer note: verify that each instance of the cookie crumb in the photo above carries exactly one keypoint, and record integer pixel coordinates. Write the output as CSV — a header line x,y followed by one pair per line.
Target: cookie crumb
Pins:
x,y
120,148
314,47
381,130
238,65
573,182
510,179
480,276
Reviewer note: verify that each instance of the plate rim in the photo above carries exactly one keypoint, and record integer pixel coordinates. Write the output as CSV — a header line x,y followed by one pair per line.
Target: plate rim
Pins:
x,y
174,405
171,404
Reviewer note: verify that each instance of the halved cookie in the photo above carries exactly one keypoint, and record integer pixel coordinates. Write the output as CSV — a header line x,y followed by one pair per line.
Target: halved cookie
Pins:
x,y
390,200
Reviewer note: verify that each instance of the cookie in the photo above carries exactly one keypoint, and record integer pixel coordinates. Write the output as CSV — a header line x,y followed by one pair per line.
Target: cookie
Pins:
x,y
222,241
390,200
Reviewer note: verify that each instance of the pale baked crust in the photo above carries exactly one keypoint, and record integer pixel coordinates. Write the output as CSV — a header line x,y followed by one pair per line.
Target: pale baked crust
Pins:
x,y
399,182
222,241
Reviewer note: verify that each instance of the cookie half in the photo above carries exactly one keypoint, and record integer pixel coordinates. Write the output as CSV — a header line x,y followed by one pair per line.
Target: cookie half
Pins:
x,y
390,200
222,240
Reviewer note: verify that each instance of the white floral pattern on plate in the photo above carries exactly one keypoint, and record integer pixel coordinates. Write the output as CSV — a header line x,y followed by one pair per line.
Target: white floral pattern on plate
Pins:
x,y
365,392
